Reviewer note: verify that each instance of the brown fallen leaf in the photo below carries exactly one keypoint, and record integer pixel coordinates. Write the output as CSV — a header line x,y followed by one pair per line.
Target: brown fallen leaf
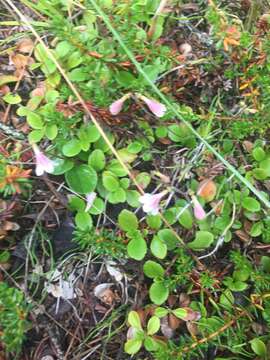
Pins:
x,y
207,190
25,45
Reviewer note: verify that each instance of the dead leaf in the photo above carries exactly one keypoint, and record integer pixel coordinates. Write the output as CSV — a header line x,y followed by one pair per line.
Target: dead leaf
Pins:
x,y
243,236
166,330
26,45
174,322
207,190
192,328
104,293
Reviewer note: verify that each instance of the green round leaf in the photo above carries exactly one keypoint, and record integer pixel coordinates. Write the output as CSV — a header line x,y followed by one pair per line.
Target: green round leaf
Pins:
x,y
180,313
185,219
158,248
97,207
116,168
134,320
133,198
258,153
258,347
97,160
82,179
133,346
117,197
135,147
154,221
34,120
51,131
72,148
161,312
36,135
61,166
137,248
110,181
12,98
158,293
152,269
169,238
83,221
203,240
251,204
153,325
127,220
265,165
260,174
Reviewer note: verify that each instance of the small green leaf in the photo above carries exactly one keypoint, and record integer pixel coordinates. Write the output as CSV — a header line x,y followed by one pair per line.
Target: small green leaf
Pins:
x,y
153,325
97,207
227,298
133,198
158,293
258,153
5,79
127,220
137,247
83,221
265,262
12,98
51,131
161,312
132,346
110,181
180,313
34,120
97,160
76,204
82,179
135,147
265,165
152,269
92,133
143,179
154,221
158,248
117,197
134,320
116,168
185,219
203,240
258,347
72,148
62,165
36,135
169,238
260,174
251,204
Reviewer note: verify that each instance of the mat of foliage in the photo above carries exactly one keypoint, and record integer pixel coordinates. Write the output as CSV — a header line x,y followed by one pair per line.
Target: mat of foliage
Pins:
x,y
134,179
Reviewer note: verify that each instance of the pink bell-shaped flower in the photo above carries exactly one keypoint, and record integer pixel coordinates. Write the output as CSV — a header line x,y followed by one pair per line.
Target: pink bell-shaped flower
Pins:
x,y
43,163
117,105
154,106
151,202
199,212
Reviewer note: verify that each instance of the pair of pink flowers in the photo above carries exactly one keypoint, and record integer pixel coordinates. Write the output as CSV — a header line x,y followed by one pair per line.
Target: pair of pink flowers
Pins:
x,y
150,203
154,106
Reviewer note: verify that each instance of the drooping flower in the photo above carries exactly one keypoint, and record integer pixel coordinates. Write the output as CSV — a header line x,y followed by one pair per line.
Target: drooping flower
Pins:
x,y
90,198
43,163
199,212
117,105
151,202
154,106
